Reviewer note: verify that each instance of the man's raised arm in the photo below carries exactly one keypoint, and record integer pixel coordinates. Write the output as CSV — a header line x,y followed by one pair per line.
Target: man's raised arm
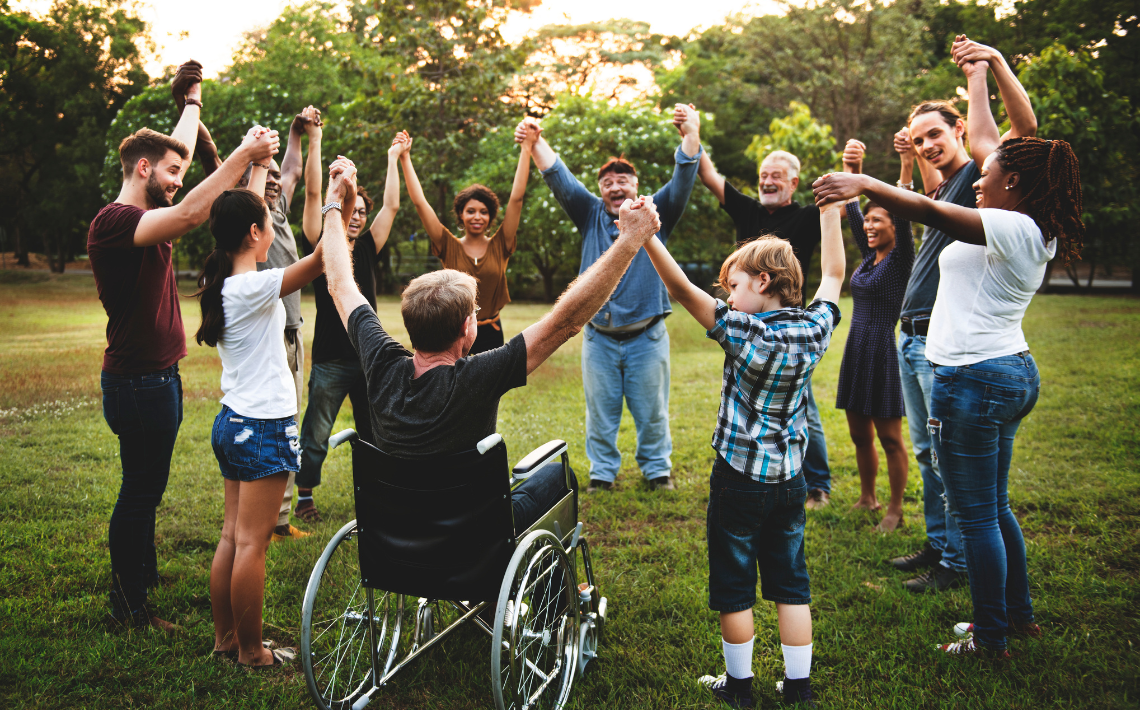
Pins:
x,y
187,90
337,257
637,222
166,223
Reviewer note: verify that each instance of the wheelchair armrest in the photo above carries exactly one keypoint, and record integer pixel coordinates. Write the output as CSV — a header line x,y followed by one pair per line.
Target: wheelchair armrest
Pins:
x,y
340,437
538,458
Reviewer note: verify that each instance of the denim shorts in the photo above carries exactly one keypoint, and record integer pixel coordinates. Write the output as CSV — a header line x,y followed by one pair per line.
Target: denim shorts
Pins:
x,y
248,449
752,526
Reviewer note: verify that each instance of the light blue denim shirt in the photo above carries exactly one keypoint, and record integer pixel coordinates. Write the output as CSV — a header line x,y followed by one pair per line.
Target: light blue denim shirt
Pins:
x,y
640,294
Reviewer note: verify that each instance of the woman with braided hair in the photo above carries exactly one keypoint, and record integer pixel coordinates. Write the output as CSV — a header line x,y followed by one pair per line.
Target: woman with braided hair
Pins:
x,y
985,380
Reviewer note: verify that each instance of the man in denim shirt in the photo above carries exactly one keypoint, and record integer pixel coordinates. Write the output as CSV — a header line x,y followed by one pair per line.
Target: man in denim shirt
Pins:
x,y
625,352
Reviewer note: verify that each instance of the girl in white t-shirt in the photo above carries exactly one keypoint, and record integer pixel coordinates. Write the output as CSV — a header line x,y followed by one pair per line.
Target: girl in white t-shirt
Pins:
x,y
255,436
985,380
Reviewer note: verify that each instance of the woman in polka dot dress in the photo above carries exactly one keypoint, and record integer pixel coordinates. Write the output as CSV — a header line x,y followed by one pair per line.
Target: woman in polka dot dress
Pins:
x,y
869,387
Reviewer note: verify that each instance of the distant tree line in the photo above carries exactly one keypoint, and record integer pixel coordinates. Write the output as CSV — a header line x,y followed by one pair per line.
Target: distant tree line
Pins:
x,y
806,80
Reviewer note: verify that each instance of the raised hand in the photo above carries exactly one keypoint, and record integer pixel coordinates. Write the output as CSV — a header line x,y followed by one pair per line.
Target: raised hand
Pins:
x,y
308,121
261,143
401,144
522,130
903,146
533,133
687,119
638,219
966,50
853,154
187,82
342,173
837,187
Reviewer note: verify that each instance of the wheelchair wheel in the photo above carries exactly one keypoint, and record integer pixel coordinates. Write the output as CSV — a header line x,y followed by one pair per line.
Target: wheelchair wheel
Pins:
x,y
534,650
338,628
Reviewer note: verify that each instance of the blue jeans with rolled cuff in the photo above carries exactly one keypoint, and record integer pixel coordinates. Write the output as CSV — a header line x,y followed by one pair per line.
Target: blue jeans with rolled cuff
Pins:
x,y
144,412
817,471
636,371
975,411
752,525
329,383
917,378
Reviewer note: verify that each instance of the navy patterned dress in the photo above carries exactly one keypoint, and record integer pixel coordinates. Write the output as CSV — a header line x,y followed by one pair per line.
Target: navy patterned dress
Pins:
x,y
869,376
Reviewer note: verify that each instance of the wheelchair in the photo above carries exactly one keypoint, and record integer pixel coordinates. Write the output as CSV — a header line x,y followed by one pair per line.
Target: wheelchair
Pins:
x,y
434,544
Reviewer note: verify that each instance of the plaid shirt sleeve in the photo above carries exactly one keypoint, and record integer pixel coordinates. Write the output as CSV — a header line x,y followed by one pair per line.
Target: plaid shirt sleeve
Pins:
x,y
732,329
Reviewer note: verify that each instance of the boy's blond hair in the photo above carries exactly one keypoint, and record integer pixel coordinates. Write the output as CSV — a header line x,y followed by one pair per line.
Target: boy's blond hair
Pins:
x,y
773,256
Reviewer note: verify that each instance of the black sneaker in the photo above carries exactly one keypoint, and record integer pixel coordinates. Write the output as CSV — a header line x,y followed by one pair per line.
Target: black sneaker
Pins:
x,y
662,483
599,485
796,692
926,557
936,580
736,692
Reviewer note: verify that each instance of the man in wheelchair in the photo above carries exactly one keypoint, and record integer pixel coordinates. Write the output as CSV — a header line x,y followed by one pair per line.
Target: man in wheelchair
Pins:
x,y
431,492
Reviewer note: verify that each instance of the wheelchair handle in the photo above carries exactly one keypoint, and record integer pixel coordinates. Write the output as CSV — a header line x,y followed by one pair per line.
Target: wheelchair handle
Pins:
x,y
340,437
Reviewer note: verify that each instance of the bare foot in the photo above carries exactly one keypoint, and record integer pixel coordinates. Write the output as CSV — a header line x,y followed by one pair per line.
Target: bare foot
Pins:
x,y
867,504
892,521
164,625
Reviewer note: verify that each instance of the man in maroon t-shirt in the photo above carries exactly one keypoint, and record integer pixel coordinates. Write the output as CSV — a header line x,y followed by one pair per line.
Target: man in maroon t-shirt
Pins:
x,y
129,246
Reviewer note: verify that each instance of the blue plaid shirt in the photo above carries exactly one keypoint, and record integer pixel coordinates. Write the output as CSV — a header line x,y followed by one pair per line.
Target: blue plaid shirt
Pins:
x,y
761,428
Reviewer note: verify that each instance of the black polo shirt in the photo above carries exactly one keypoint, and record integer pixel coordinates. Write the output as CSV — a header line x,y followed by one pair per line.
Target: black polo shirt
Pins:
x,y
794,223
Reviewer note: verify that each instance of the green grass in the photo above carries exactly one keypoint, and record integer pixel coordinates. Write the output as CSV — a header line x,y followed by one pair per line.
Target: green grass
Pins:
x,y
1074,486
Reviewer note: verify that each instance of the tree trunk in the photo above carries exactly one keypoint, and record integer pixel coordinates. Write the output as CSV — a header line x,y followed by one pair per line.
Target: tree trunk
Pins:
x,y
1092,272
547,280
21,248
1071,270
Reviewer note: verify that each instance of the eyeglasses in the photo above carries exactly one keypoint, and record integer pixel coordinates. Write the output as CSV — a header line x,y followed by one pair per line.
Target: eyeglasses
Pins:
x,y
360,212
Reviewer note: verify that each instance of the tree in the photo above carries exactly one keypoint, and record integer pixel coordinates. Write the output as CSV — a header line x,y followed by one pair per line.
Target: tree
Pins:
x,y
63,76
585,132
1072,104
804,137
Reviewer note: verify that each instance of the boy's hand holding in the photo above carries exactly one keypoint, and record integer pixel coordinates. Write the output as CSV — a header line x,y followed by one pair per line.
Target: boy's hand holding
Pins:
x,y
638,220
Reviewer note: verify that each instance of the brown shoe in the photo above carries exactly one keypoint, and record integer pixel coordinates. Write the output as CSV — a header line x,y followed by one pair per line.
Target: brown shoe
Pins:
x,y
306,511
599,485
817,499
662,483
288,532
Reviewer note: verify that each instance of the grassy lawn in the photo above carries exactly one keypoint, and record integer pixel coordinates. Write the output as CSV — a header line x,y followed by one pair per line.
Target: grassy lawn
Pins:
x,y
1075,486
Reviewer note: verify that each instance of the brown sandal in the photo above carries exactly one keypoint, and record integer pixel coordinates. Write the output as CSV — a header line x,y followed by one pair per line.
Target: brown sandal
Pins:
x,y
307,512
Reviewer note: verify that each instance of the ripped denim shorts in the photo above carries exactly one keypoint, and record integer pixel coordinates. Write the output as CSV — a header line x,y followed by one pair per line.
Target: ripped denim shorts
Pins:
x,y
248,449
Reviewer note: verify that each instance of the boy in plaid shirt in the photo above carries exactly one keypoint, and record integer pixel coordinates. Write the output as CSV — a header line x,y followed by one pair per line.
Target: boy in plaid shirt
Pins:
x,y
756,504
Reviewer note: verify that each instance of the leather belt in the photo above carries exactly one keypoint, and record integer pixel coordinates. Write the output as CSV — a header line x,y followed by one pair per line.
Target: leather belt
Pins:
x,y
623,335
915,326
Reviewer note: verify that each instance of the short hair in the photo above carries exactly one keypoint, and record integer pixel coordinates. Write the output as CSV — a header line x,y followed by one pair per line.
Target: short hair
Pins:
x,y
478,192
152,145
368,203
768,255
618,165
946,109
791,162
435,307
872,205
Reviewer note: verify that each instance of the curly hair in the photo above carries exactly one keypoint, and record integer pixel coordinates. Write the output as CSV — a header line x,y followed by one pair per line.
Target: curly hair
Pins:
x,y
1052,174
476,192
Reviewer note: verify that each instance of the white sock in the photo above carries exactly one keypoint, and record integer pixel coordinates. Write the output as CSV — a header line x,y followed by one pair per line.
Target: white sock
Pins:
x,y
738,658
797,661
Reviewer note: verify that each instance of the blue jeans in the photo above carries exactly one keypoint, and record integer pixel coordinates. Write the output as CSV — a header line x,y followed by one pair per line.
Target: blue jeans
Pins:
x,y
638,371
917,376
329,382
534,497
752,525
145,412
248,449
975,411
817,472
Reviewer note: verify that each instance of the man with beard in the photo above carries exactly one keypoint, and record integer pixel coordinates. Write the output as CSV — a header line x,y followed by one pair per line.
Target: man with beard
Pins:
x,y
336,370
625,349
776,213
129,245
280,184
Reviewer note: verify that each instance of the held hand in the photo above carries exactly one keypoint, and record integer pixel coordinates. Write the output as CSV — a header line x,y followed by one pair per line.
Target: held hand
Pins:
x,y
837,187
687,119
401,144
903,146
261,144
341,170
308,122
533,133
853,154
523,128
976,68
188,77
638,219
966,50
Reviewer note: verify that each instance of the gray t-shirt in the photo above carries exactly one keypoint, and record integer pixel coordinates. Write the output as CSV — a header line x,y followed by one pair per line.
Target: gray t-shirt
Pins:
x,y
282,254
447,409
922,288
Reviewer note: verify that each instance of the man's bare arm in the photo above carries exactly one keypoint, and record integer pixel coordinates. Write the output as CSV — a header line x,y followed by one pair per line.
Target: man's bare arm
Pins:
x,y
382,225
187,84
311,217
832,256
638,221
337,256
166,223
711,179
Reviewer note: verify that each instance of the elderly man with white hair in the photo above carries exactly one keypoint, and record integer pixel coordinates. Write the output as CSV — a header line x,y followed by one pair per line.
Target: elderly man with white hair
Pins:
x,y
776,213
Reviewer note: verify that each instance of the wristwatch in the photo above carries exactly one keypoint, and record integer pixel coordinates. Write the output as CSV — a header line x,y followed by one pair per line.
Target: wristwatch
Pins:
x,y
195,102
330,206
905,185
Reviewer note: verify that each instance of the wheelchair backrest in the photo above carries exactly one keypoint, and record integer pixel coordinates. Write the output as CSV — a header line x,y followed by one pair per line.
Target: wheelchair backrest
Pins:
x,y
440,528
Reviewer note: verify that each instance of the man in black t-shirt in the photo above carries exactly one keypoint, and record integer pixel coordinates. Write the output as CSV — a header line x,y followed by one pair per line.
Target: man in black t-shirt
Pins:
x,y
441,401
776,213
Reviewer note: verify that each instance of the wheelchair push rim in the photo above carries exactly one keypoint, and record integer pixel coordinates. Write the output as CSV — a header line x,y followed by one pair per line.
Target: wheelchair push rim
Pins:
x,y
534,649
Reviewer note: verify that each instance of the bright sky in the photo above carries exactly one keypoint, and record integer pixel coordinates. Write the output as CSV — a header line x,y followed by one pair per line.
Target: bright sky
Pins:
x,y
209,30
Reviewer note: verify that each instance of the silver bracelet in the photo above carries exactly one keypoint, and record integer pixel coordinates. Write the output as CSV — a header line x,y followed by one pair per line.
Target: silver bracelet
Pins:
x,y
905,185
330,206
